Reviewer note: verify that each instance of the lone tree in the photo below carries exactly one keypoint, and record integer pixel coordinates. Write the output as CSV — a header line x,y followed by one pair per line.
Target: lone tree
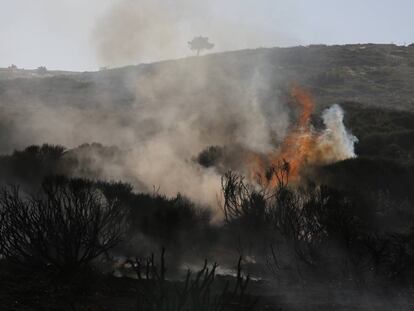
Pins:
x,y
200,43
41,70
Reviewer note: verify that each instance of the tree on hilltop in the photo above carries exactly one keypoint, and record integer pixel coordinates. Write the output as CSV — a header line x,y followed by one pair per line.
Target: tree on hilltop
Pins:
x,y
200,43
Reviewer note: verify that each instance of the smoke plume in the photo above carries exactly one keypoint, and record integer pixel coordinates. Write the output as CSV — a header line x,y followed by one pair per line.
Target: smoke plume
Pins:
x,y
336,142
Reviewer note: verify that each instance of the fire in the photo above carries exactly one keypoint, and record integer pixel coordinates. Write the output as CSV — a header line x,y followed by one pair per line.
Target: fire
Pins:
x,y
297,148
304,99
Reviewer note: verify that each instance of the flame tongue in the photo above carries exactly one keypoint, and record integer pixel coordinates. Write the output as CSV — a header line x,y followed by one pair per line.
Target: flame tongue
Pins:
x,y
305,101
303,145
298,144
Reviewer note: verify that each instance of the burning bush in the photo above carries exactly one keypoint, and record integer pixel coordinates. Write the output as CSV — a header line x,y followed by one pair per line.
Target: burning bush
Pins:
x,y
303,145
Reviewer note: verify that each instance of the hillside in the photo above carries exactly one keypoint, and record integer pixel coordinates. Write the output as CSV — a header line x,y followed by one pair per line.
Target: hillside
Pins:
x,y
373,74
377,76
13,72
155,158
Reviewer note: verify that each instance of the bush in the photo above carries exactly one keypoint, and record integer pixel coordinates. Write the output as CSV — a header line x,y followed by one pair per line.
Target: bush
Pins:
x,y
198,292
29,166
168,220
313,226
65,227
210,156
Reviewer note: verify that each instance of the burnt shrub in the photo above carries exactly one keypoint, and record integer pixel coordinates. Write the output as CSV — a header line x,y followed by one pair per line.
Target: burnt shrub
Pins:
x,y
65,227
151,218
201,290
210,156
168,221
313,227
325,233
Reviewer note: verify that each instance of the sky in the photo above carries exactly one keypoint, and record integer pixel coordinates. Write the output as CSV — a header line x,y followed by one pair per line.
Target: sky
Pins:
x,y
86,35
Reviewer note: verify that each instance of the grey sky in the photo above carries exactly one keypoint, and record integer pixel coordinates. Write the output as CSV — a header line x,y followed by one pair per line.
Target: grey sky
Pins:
x,y
66,34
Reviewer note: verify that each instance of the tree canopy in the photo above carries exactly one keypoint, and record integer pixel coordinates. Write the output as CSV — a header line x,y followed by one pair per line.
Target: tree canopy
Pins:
x,y
200,43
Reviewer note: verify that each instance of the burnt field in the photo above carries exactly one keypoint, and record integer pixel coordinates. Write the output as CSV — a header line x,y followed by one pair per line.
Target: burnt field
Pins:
x,y
269,179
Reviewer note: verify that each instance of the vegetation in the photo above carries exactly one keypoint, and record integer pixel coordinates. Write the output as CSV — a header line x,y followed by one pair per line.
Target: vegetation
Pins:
x,y
64,228
357,230
196,292
41,70
326,234
312,234
200,43
72,240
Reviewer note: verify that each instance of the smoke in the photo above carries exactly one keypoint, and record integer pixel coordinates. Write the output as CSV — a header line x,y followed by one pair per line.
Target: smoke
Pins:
x,y
336,142
136,31
201,104
162,116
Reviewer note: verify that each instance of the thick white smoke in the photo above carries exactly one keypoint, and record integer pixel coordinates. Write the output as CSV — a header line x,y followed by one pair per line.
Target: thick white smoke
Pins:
x,y
336,142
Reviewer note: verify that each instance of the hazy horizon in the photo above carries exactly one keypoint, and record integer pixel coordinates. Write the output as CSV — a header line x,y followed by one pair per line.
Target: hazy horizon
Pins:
x,y
78,36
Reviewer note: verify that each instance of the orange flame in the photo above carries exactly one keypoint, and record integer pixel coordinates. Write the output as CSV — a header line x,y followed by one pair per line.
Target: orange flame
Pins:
x,y
296,148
